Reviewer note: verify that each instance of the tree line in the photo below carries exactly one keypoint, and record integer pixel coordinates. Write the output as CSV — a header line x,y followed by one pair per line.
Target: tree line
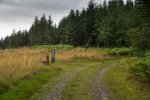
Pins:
x,y
109,24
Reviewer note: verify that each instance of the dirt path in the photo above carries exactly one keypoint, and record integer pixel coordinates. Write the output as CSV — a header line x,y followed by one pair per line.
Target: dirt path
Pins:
x,y
55,94
98,87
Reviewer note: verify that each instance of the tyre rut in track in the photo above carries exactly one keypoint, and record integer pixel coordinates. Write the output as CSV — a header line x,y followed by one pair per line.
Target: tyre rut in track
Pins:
x,y
98,86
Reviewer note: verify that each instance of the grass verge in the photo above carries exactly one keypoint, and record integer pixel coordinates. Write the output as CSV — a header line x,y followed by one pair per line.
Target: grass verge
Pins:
x,y
121,85
30,85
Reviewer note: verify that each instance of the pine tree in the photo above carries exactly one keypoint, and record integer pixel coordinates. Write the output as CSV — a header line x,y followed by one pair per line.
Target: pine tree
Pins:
x,y
140,36
34,31
91,23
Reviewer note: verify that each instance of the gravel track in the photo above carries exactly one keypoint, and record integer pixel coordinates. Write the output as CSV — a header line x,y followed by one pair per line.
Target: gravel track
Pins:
x,y
98,86
55,93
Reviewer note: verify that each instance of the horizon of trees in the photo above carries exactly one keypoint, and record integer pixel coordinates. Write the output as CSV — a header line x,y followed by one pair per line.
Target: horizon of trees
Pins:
x,y
109,24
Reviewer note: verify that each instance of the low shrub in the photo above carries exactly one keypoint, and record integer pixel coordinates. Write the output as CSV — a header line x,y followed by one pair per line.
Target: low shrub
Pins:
x,y
120,51
141,69
147,54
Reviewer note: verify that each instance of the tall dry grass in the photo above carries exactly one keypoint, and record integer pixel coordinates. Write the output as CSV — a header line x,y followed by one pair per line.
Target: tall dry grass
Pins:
x,y
18,63
79,53
15,64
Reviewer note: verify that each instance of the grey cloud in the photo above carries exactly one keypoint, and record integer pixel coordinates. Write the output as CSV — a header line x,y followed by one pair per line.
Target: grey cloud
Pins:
x,y
20,13
27,9
44,4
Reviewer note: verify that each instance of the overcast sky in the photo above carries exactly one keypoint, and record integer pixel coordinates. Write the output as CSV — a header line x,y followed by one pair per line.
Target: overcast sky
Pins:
x,y
19,14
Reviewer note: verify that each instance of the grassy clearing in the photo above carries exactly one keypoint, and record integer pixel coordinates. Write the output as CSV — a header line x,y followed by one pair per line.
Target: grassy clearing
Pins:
x,y
22,74
121,85
16,64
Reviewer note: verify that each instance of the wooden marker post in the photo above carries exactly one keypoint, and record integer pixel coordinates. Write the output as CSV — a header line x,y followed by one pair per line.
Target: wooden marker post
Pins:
x,y
53,55
46,61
